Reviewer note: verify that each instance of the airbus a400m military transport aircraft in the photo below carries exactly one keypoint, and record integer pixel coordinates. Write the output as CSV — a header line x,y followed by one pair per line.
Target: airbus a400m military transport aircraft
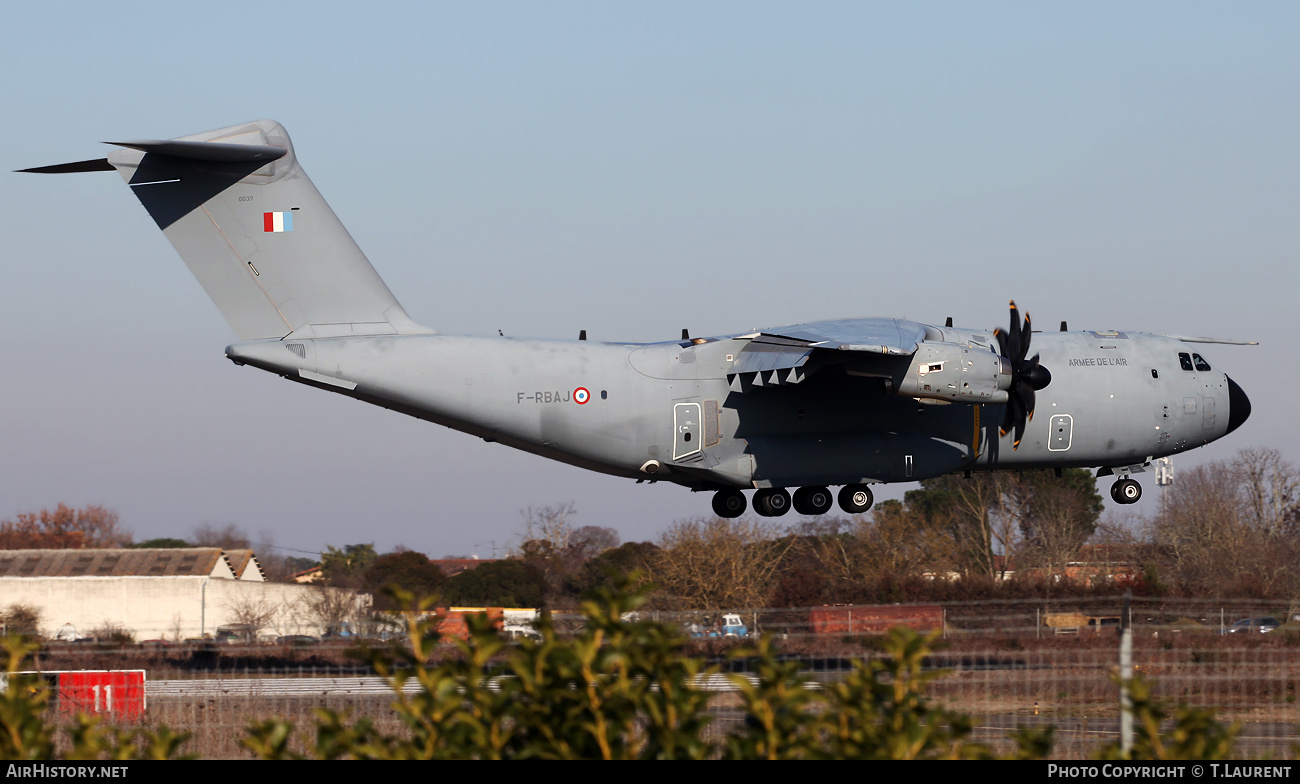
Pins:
x,y
811,406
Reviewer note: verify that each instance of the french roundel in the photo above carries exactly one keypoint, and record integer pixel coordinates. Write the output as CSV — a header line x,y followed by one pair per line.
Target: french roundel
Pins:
x,y
581,396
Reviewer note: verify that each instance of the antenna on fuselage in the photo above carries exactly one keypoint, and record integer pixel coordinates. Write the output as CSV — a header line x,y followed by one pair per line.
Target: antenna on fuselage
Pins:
x,y
686,334
1063,329
948,323
582,334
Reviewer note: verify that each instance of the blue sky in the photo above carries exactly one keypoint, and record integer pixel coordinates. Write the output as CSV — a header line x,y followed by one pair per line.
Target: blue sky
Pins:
x,y
629,170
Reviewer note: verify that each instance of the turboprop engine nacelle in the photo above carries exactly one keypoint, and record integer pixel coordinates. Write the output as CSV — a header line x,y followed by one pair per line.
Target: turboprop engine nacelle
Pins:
x,y
956,373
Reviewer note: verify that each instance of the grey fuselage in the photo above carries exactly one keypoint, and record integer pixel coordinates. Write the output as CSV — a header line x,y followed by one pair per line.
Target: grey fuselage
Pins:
x,y
674,411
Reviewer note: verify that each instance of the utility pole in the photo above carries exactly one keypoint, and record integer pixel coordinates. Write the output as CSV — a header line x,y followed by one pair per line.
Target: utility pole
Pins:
x,y
1126,676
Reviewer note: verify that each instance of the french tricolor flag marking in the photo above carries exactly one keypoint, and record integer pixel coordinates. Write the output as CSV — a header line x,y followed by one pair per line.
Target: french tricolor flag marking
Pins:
x,y
277,221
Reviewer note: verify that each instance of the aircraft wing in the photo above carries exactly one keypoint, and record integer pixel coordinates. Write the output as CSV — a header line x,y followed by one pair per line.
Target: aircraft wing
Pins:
x,y
875,335
777,356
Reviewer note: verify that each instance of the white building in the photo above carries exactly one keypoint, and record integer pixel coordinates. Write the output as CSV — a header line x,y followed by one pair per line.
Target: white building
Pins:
x,y
168,594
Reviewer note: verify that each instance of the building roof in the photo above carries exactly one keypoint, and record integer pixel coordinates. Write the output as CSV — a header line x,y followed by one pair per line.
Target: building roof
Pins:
x,y
454,566
308,576
177,562
245,565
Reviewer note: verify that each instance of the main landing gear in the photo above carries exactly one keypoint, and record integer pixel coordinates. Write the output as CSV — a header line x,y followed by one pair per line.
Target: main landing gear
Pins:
x,y
856,499
772,501
729,503
776,501
1126,491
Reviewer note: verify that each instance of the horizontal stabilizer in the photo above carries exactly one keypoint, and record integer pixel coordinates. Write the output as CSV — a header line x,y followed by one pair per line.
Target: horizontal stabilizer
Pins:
x,y
98,164
217,152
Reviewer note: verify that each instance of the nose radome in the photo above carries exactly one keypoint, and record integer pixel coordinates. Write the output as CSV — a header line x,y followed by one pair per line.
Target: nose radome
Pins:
x,y
1238,406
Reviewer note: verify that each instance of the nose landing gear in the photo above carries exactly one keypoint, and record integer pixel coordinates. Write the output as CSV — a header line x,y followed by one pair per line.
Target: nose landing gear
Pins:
x,y
1126,491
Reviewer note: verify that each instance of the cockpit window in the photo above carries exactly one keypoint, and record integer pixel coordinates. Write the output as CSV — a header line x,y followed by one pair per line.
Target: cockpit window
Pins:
x,y
1185,360
1201,364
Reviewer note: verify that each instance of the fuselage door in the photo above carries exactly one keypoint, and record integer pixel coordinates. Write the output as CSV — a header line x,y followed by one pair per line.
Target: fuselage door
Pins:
x,y
686,430
1061,433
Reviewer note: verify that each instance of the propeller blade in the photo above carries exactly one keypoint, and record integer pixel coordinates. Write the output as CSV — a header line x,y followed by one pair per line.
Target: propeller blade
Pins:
x,y
1027,375
1013,335
1025,334
1011,413
1025,394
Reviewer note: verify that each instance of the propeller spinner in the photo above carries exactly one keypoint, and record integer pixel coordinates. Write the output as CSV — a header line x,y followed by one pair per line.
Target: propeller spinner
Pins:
x,y
1026,375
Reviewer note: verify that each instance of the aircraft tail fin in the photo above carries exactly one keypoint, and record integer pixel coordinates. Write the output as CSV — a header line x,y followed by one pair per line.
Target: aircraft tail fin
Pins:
x,y
254,230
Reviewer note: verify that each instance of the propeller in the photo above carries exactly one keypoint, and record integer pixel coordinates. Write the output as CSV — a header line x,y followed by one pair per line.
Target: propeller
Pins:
x,y
1027,375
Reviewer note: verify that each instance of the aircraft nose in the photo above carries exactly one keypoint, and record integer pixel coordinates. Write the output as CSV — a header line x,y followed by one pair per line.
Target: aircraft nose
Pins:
x,y
1238,405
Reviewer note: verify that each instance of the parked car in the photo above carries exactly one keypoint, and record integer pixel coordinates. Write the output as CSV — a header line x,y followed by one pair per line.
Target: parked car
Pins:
x,y
296,640
518,631
236,634
728,625
1252,626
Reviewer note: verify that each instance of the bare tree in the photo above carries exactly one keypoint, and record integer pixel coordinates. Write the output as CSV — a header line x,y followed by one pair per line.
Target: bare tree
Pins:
x,y
254,610
549,542
1232,526
228,537
973,512
593,540
718,563
900,541
328,608
1271,487
20,619
64,528
549,524
1055,514
275,564
1198,525
1063,521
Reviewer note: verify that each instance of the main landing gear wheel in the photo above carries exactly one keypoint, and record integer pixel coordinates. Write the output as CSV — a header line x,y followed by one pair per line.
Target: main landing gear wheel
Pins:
x,y
856,499
1126,491
812,500
729,503
772,502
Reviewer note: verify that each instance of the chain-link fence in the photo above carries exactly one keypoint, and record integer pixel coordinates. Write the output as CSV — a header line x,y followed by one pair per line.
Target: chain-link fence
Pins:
x,y
1008,664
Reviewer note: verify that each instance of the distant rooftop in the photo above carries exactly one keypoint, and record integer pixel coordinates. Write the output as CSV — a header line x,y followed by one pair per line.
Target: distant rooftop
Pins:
x,y
172,562
454,566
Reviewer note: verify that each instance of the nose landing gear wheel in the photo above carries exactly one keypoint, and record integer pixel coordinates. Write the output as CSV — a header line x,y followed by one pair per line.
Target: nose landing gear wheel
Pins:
x,y
772,502
812,500
729,503
855,499
1126,491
